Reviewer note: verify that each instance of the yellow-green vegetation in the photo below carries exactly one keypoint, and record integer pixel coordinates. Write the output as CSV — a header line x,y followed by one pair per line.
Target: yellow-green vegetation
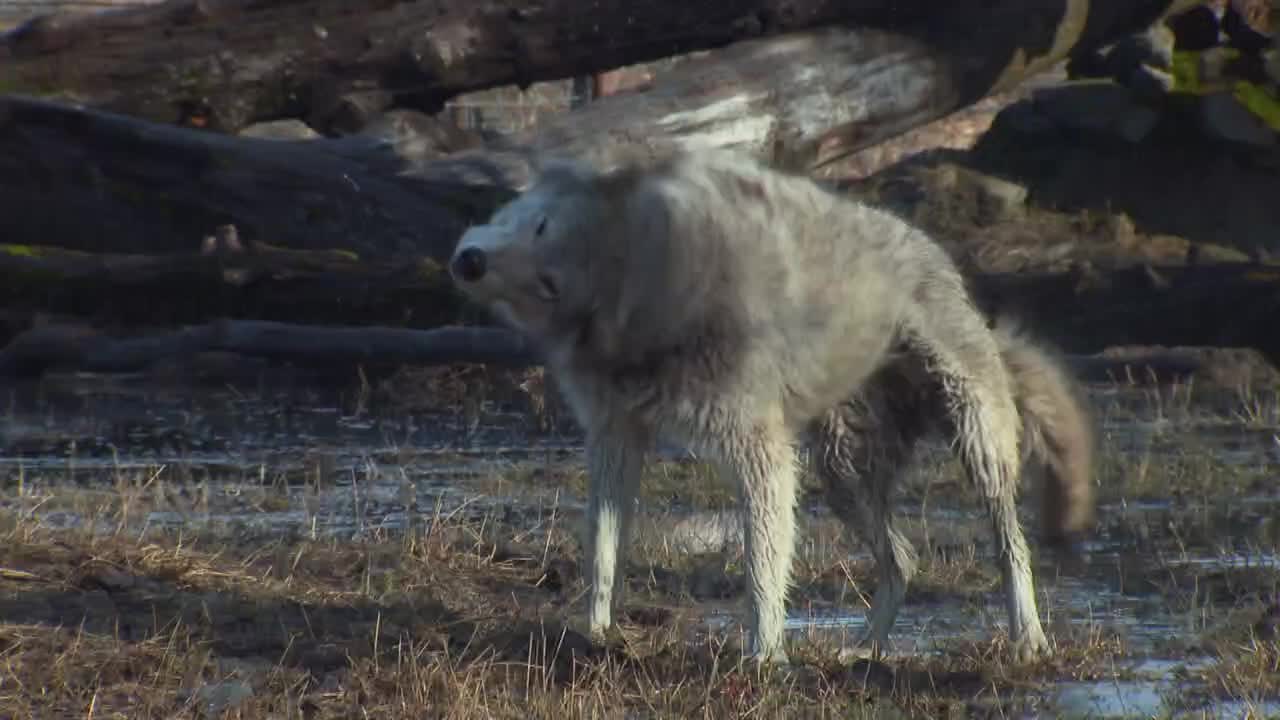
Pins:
x,y
39,251
19,250
1262,101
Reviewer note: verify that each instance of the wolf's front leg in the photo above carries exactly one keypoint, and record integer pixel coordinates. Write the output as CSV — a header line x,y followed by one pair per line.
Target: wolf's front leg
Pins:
x,y
765,465
615,460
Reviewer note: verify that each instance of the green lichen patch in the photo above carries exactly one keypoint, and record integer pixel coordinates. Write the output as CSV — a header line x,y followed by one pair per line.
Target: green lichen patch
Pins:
x,y
19,250
1261,101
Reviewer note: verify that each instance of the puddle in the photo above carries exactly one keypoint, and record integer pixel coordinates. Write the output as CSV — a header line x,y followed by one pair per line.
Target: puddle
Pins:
x,y
1153,693
1112,699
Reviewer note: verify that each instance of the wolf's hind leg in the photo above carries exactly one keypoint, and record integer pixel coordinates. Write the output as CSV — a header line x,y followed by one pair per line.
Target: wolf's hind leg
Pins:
x,y
615,461
859,451
977,394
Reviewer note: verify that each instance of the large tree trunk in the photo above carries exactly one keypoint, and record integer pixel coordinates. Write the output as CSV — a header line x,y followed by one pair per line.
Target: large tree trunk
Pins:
x,y
234,61
88,180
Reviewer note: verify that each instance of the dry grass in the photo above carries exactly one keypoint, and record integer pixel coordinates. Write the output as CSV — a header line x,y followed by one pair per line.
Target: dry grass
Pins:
x,y
435,624
478,614
475,618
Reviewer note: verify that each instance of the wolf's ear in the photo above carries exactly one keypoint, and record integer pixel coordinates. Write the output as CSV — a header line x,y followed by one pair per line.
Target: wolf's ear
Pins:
x,y
660,281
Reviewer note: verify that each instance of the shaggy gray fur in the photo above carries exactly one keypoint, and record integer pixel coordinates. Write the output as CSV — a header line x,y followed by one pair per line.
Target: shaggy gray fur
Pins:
x,y
735,310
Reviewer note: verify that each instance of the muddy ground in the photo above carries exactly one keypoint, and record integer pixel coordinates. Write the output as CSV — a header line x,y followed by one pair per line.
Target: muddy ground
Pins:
x,y
401,549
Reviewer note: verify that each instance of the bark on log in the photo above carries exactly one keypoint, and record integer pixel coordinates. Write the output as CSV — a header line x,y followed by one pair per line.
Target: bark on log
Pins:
x,y
55,347
259,282
235,61
82,179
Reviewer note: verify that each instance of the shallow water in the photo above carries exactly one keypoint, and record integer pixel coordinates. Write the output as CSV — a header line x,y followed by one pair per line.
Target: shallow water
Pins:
x,y
346,472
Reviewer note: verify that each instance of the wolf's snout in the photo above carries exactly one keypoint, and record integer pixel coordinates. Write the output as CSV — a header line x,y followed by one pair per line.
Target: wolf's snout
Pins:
x,y
469,265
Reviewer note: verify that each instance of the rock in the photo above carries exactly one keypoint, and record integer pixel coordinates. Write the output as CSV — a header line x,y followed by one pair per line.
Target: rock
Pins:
x,y
1224,118
289,129
1100,107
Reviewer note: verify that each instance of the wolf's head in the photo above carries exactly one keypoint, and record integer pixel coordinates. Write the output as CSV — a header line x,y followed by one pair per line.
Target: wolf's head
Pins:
x,y
528,262
582,252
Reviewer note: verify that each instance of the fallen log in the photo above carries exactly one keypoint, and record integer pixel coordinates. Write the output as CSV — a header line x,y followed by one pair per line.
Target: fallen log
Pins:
x,y
78,348
231,62
254,281
1087,311
335,349
83,179
1226,305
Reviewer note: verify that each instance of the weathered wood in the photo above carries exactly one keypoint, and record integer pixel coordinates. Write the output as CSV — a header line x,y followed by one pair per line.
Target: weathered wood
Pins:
x,y
231,62
99,182
83,179
56,347
260,282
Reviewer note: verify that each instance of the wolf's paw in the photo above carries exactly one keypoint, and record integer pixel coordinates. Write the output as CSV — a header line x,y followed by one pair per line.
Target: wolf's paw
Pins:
x,y
869,646
776,659
606,636
1031,647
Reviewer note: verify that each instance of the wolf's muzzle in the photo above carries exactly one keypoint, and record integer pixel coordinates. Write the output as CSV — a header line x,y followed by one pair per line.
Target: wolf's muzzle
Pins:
x,y
468,265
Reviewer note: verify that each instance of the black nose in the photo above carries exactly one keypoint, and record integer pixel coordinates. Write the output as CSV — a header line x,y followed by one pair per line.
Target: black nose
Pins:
x,y
469,264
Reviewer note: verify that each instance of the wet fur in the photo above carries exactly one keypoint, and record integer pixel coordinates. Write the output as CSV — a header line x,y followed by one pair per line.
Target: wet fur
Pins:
x,y
738,311
865,444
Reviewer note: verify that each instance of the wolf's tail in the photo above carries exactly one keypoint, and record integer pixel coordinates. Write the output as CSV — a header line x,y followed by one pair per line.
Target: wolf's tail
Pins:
x,y
1059,434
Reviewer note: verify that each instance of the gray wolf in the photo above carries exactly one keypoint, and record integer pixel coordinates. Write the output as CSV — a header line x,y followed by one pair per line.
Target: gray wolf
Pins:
x,y
704,299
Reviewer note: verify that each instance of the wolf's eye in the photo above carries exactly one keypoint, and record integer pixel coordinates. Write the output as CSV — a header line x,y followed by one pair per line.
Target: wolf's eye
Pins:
x,y
542,225
547,287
